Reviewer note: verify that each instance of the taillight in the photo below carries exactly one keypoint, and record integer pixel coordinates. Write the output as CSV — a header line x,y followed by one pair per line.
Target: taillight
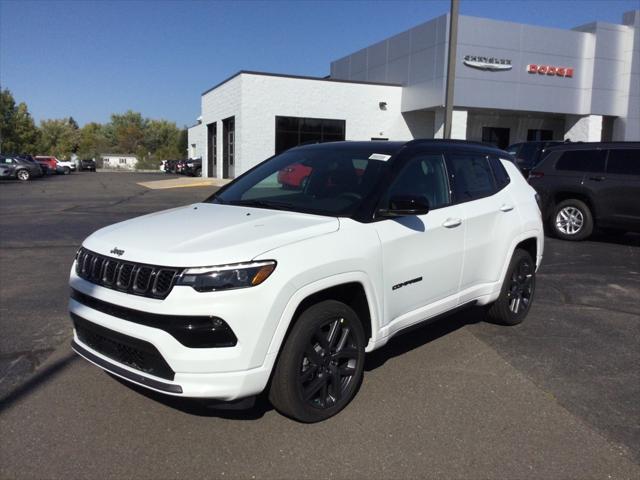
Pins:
x,y
536,174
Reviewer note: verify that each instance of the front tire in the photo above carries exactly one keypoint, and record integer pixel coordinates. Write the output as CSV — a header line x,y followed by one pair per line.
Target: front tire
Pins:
x,y
23,175
66,171
516,295
572,220
321,363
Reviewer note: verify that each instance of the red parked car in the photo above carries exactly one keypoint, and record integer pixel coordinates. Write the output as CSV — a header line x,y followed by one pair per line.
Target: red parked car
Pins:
x,y
49,162
295,175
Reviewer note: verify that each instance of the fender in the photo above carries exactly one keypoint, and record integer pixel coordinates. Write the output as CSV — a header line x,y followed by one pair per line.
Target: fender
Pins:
x,y
300,295
526,235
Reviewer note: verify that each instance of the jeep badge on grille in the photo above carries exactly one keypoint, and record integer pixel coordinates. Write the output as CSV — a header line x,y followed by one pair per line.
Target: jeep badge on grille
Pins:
x,y
117,252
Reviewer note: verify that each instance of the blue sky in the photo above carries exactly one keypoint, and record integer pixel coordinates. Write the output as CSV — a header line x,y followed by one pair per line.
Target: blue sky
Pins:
x,y
89,59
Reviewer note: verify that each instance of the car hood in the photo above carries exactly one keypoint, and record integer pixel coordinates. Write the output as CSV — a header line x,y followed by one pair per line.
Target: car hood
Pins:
x,y
207,234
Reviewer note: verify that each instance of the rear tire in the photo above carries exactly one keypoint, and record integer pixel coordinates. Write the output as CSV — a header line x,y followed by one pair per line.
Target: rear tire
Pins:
x,y
516,295
198,173
320,366
66,171
23,175
572,220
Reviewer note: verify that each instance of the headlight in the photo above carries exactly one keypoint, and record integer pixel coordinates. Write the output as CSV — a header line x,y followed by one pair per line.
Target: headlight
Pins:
x,y
227,277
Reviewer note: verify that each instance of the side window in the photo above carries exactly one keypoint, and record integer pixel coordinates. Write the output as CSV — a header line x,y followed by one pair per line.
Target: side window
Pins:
x,y
514,149
624,161
472,176
581,161
499,172
424,175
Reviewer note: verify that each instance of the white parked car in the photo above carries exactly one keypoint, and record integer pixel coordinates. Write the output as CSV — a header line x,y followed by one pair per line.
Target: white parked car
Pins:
x,y
262,286
65,167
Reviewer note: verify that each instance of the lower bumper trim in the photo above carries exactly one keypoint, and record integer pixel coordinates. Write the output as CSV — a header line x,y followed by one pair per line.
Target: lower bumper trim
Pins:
x,y
134,377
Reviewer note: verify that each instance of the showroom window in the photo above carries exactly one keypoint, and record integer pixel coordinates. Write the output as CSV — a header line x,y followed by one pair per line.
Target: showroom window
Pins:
x,y
293,131
539,135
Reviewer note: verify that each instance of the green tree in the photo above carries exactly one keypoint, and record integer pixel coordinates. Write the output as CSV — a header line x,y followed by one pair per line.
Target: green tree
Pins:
x,y
93,141
59,137
126,132
183,143
161,134
18,132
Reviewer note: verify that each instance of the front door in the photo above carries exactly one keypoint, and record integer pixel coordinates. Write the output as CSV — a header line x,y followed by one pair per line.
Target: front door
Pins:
x,y
421,255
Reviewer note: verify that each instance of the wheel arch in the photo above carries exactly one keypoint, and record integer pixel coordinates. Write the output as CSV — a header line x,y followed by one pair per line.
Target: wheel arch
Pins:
x,y
353,289
530,241
563,195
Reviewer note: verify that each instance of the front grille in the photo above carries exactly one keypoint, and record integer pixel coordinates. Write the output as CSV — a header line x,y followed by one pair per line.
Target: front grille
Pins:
x,y
137,278
121,348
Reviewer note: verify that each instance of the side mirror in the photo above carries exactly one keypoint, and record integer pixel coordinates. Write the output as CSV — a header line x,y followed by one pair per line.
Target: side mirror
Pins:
x,y
405,206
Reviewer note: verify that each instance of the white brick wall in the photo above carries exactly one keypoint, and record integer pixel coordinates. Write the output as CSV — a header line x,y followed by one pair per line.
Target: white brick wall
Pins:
x,y
197,135
217,105
255,101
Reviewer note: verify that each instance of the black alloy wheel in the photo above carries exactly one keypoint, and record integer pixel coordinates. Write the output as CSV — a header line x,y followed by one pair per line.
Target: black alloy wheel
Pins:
x,y
521,287
320,367
328,364
516,296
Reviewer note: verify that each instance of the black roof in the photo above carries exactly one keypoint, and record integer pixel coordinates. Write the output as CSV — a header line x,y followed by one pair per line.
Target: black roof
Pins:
x,y
592,145
391,147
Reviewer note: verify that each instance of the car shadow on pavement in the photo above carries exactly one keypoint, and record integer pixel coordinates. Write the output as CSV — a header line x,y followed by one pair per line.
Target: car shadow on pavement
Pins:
x,y
422,334
255,408
630,239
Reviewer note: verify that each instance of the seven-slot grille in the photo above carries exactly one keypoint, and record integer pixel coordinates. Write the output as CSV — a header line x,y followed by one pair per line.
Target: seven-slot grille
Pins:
x,y
139,279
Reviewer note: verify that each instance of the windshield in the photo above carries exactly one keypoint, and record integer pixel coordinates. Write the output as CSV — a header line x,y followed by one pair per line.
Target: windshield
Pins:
x,y
324,181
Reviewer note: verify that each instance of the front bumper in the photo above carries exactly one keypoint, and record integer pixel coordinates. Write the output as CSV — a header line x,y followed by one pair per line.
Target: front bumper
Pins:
x,y
220,386
227,373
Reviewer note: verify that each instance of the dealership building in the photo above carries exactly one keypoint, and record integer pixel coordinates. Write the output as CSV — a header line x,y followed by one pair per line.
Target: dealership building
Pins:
x,y
513,83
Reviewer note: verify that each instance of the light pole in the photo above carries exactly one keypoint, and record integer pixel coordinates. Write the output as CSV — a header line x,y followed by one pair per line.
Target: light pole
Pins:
x,y
451,67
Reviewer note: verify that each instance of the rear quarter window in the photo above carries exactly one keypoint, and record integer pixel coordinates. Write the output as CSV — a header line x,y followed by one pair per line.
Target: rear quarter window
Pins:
x,y
499,173
624,161
581,161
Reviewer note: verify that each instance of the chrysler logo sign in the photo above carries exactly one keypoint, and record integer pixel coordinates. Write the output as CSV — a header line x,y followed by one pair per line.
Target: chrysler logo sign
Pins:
x,y
492,64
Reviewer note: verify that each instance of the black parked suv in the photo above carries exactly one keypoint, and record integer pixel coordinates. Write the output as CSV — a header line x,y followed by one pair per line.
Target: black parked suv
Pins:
x,y
587,185
529,154
18,167
193,167
88,164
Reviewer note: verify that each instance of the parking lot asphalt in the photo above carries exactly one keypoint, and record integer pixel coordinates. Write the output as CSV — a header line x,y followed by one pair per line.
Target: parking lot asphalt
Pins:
x,y
556,397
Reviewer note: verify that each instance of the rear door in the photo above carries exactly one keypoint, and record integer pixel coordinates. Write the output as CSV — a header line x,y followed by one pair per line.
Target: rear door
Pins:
x,y
489,217
620,189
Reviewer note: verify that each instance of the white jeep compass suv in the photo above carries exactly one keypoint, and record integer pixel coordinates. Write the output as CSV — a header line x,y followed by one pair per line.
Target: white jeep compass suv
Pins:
x,y
285,286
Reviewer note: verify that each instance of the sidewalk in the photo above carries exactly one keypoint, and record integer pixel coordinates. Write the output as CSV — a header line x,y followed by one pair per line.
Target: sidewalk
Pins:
x,y
185,182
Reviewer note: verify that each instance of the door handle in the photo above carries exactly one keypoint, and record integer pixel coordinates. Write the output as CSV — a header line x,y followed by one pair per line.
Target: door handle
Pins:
x,y
506,208
452,222
597,179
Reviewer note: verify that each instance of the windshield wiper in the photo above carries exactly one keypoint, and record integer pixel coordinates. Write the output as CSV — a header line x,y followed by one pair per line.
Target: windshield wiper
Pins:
x,y
262,204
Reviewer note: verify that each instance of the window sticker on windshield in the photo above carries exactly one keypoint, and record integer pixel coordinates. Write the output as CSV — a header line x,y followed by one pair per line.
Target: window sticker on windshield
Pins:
x,y
379,156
